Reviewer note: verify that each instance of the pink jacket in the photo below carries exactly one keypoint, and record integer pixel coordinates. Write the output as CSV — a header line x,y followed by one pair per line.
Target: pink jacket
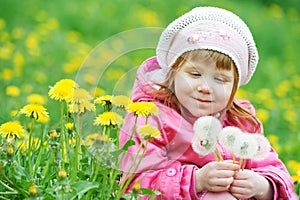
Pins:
x,y
169,162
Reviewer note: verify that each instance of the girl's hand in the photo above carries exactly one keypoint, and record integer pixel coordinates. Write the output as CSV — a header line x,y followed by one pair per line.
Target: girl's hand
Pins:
x,y
215,176
247,184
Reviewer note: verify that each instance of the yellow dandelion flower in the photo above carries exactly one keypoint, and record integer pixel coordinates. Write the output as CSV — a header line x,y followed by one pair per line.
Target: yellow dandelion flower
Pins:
x,y
13,129
81,101
82,107
137,185
241,94
89,78
121,101
148,17
32,190
17,33
143,108
262,114
81,95
274,142
13,113
69,126
62,174
294,165
148,131
2,23
35,143
90,139
36,99
98,91
22,145
108,119
63,90
103,100
7,74
12,91
290,115
43,119
283,88
18,61
35,111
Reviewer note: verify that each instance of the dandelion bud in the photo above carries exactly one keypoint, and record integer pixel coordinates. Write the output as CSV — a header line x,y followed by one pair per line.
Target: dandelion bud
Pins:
x,y
32,190
10,139
10,150
53,134
137,185
62,174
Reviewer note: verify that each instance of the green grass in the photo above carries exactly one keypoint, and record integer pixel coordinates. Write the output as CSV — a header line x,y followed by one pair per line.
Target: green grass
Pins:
x,y
78,33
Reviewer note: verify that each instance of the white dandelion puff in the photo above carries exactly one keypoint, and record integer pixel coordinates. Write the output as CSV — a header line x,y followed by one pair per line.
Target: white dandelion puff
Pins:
x,y
245,146
264,147
206,131
228,136
204,145
207,125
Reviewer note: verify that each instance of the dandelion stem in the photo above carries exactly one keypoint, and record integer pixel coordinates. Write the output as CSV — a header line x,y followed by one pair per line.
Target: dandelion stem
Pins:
x,y
106,160
125,184
38,160
244,164
216,156
62,135
24,192
6,186
30,149
132,132
240,162
219,154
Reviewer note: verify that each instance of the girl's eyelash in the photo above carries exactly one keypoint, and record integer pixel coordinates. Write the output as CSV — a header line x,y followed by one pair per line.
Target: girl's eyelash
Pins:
x,y
220,79
195,74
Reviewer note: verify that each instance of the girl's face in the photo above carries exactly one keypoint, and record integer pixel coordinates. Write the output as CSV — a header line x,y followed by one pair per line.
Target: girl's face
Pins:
x,y
201,88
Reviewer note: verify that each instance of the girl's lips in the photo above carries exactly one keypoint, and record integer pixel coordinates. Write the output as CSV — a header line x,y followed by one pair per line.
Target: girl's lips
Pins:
x,y
203,100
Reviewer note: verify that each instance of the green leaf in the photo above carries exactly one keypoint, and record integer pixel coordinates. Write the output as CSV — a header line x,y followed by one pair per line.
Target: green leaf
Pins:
x,y
128,144
148,191
82,187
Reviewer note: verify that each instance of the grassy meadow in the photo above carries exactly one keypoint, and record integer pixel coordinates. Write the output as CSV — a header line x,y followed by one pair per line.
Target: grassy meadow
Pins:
x,y
99,45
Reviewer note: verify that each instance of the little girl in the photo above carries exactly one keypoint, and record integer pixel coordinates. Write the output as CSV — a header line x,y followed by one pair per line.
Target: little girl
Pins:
x,y
202,59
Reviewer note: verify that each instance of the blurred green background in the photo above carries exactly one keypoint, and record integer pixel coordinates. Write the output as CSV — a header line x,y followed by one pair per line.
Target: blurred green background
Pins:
x,y
42,42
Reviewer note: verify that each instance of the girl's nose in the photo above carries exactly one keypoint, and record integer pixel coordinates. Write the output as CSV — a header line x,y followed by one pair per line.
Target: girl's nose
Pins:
x,y
203,87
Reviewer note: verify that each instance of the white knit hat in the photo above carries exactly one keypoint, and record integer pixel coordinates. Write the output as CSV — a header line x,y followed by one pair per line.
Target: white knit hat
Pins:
x,y
208,28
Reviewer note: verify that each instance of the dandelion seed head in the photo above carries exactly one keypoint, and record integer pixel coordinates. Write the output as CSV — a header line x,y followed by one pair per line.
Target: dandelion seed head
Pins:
x,y
245,146
228,136
36,99
204,146
264,147
207,126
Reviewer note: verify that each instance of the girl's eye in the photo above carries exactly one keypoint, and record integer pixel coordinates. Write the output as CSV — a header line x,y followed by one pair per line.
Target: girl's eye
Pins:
x,y
195,74
220,79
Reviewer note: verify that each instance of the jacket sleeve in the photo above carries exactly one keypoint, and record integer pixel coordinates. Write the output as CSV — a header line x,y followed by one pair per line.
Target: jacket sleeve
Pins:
x,y
173,179
272,168
275,171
